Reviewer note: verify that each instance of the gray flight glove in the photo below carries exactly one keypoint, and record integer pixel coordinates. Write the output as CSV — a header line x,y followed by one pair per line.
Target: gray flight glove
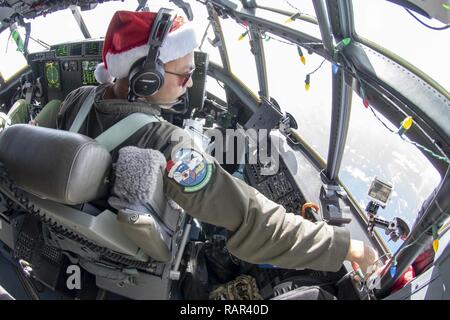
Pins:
x,y
138,175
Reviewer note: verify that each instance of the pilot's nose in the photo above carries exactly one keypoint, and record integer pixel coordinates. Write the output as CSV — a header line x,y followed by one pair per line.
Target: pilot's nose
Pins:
x,y
190,82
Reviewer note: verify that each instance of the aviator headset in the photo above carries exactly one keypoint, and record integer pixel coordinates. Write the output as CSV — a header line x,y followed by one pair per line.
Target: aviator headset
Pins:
x,y
146,75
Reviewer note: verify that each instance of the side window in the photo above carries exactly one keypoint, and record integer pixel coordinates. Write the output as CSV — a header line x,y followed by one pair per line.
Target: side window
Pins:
x,y
216,88
303,7
12,60
311,108
371,151
425,48
242,61
201,24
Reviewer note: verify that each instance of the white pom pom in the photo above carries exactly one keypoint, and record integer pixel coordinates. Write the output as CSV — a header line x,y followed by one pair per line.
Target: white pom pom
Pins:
x,y
102,75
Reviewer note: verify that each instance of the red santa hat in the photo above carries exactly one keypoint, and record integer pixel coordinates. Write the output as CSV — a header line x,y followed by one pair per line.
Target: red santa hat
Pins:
x,y
126,42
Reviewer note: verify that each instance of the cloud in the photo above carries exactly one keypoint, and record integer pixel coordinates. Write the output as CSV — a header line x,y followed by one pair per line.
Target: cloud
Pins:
x,y
358,174
405,162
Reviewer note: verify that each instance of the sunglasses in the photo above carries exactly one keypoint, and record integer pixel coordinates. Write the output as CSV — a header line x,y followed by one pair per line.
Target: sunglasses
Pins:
x,y
185,76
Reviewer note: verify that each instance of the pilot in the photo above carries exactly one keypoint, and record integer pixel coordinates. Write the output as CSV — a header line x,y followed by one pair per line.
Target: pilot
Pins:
x,y
260,230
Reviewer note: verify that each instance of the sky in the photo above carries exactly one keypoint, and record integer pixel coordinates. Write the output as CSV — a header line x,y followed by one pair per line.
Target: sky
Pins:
x,y
371,150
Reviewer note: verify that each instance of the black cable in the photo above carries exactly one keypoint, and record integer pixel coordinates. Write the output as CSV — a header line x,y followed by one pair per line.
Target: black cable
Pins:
x,y
292,6
220,84
265,36
298,10
427,25
204,35
27,284
7,42
317,67
382,122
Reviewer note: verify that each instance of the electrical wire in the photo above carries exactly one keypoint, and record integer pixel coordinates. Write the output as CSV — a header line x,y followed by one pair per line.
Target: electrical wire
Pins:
x,y
317,67
41,43
303,44
292,6
220,85
384,124
436,156
298,10
7,42
427,25
204,35
265,36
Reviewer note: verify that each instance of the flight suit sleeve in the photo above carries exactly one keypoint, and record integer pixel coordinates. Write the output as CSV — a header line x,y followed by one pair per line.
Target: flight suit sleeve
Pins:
x,y
261,230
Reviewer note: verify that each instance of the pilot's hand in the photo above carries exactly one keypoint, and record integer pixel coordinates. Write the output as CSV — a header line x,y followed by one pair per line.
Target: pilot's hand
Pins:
x,y
365,256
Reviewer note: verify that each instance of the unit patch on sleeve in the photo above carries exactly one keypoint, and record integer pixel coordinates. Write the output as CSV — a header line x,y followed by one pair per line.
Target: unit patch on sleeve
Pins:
x,y
189,169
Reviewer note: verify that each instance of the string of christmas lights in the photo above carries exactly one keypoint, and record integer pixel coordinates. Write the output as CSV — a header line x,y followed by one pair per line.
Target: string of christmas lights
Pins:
x,y
308,76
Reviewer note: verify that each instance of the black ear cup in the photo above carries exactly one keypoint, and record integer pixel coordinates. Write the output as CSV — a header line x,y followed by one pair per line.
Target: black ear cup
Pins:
x,y
146,80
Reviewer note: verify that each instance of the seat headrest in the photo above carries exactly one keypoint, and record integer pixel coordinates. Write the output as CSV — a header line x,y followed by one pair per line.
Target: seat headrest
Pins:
x,y
62,166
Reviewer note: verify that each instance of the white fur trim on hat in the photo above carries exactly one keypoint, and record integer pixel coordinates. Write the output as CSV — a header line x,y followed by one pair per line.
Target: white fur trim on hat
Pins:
x,y
102,75
177,44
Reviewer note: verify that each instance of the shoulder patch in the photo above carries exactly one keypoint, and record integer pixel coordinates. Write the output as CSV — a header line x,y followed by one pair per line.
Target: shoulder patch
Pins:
x,y
190,170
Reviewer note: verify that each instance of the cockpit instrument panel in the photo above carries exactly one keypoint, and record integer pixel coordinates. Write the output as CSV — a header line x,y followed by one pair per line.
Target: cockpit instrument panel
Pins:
x,y
66,67
278,187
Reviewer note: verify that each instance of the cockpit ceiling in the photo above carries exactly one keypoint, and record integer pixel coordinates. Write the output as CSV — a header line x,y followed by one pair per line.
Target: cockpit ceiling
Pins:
x,y
13,10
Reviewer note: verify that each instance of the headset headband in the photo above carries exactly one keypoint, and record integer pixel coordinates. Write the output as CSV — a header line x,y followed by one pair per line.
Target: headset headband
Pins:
x,y
160,28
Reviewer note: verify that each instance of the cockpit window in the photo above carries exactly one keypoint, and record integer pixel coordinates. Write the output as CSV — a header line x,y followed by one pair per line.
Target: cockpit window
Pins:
x,y
97,27
304,7
392,27
216,88
242,61
311,108
8,52
274,11
372,150
203,25
58,27
63,24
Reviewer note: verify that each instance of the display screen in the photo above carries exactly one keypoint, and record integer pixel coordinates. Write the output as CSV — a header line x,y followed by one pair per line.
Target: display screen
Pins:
x,y
75,49
88,67
52,74
92,49
61,51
